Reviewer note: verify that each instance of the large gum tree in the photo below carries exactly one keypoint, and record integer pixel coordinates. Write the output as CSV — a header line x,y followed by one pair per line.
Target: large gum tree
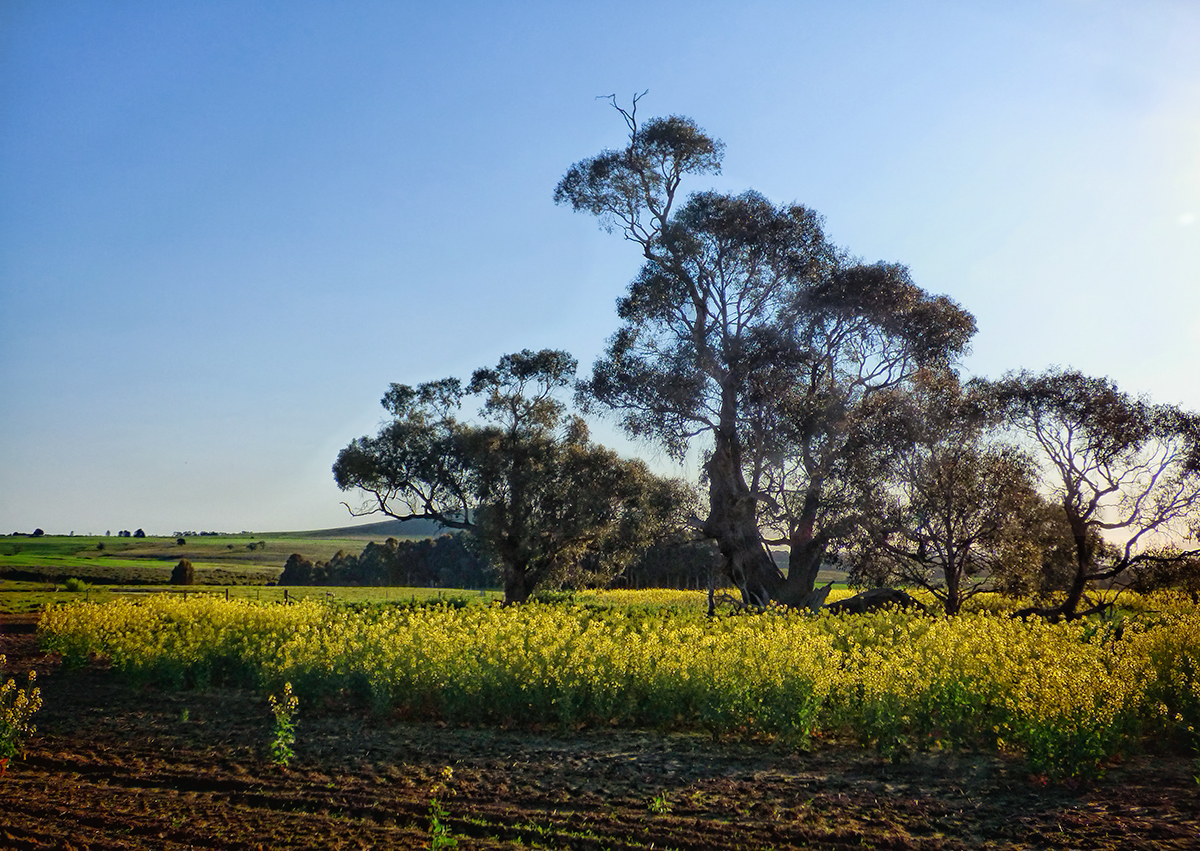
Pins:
x,y
747,327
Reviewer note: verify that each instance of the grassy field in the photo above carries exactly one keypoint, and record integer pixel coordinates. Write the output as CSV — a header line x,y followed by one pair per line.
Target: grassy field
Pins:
x,y
242,559
33,571
20,597
240,551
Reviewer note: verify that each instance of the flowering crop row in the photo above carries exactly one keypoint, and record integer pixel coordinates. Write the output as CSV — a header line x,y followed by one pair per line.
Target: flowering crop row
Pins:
x,y
1067,696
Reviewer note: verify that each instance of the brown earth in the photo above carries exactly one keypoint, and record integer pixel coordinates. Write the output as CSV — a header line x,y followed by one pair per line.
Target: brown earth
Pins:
x,y
118,766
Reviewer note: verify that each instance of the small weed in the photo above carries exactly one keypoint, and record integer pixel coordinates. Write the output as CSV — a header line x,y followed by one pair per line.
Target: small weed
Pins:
x,y
660,804
439,832
284,734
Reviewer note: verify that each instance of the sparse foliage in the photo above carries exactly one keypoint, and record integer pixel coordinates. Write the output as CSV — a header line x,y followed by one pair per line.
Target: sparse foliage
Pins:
x,y
1125,472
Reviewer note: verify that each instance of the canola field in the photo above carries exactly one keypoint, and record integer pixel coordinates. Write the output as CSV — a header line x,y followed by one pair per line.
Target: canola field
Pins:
x,y
1068,698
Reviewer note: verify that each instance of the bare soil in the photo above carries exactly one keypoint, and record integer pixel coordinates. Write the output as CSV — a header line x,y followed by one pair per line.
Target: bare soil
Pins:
x,y
119,766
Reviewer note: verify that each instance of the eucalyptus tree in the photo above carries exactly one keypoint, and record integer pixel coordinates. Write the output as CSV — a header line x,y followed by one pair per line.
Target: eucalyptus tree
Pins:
x,y
540,498
1124,472
824,424
748,327
959,505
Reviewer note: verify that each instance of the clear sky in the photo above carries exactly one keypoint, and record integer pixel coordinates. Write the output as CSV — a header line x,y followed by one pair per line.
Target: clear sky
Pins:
x,y
225,227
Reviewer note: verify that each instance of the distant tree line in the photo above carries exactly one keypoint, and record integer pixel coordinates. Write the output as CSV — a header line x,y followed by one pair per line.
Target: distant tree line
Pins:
x,y
454,561
680,563
449,561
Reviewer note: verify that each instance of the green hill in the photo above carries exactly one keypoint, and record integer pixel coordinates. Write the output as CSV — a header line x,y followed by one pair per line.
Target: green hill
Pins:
x,y
372,531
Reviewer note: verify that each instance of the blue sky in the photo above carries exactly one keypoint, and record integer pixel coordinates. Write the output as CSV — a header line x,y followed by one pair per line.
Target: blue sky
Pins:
x,y
226,227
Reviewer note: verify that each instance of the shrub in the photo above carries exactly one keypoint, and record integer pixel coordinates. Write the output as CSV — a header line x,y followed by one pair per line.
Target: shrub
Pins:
x,y
184,573
74,584
297,571
17,706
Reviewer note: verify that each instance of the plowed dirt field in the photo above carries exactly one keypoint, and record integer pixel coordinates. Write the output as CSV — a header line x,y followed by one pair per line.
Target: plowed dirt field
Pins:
x,y
118,766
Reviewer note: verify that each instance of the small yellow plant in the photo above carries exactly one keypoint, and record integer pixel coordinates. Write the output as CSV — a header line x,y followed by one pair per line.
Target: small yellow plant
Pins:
x,y
284,734
17,706
439,832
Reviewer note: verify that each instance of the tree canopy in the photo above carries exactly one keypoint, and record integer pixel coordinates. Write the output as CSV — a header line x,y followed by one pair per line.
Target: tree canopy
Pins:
x,y
748,327
821,391
1124,472
542,500
959,504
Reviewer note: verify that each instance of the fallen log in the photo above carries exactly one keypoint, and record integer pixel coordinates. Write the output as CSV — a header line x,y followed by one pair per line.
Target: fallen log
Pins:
x,y
874,599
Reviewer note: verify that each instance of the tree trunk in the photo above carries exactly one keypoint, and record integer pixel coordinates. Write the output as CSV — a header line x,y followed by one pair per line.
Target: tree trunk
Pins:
x,y
1068,609
953,574
517,585
732,522
804,562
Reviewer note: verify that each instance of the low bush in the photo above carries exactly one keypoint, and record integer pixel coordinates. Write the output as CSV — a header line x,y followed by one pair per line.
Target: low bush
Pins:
x,y
184,573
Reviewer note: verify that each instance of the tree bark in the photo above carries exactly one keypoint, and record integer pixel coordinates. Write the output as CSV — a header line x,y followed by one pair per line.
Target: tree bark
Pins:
x,y
732,522
804,560
517,586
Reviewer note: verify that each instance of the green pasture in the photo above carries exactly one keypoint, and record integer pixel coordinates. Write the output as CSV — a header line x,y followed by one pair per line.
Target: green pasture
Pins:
x,y
248,550
17,597
246,558
33,570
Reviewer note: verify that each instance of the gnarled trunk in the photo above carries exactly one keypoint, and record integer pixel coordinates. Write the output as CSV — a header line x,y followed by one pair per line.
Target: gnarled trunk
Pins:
x,y
732,522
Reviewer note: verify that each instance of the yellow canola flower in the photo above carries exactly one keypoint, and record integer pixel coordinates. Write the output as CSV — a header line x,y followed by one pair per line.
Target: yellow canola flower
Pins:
x,y
1065,694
